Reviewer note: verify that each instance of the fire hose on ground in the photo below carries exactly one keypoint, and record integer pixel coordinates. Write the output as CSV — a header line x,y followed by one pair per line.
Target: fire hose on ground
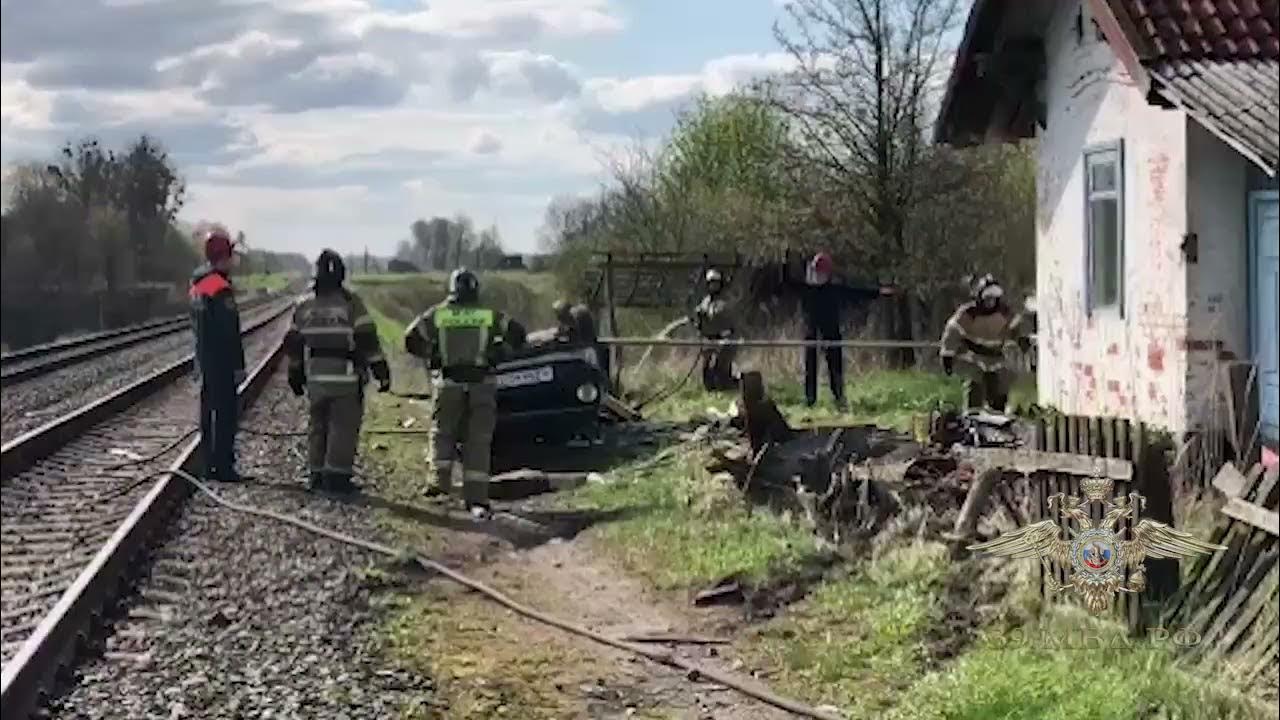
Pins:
x,y
692,670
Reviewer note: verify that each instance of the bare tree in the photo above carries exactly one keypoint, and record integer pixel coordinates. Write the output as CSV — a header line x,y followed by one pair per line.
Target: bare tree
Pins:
x,y
859,98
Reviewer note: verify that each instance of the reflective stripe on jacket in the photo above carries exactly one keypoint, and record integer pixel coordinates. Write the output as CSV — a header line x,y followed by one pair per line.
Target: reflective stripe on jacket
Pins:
x,y
334,341
980,338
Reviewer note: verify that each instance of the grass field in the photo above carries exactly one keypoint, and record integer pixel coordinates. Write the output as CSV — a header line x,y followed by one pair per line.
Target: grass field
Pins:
x,y
265,281
875,636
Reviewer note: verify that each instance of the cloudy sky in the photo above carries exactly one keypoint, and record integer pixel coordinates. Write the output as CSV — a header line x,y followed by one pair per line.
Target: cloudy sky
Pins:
x,y
338,122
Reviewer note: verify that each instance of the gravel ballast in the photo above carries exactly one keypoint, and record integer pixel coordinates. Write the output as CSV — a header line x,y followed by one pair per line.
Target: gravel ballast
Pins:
x,y
242,617
29,404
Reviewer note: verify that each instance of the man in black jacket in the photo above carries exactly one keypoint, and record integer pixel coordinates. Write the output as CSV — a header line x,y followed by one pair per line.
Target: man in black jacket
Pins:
x,y
821,300
219,356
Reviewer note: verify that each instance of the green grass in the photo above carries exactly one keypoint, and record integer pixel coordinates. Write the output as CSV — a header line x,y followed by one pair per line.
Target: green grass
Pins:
x,y
889,398
271,282
1005,677
687,528
526,297
858,641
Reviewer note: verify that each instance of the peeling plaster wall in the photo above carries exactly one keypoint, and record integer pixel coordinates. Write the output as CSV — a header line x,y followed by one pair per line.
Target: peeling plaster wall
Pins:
x,y
1218,283
1107,364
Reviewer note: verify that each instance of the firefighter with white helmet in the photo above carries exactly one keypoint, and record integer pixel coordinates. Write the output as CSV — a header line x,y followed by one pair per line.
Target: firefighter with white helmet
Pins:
x,y
715,322
464,341
977,335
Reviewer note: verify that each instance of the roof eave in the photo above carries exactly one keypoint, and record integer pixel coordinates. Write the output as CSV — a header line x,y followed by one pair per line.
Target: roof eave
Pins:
x,y
1124,39
1208,123
941,126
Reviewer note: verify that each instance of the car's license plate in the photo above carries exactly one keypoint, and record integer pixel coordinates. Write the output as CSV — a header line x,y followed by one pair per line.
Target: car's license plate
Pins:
x,y
518,378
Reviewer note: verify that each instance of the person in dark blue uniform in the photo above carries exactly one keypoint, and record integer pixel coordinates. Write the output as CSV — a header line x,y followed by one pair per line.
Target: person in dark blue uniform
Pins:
x,y
821,300
219,356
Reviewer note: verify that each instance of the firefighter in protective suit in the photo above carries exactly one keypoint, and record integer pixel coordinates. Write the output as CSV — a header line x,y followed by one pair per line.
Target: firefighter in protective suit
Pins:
x,y
332,348
463,341
714,322
977,335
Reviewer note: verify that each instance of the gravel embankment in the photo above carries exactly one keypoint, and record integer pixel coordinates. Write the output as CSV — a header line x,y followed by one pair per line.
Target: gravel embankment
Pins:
x,y
26,405
246,618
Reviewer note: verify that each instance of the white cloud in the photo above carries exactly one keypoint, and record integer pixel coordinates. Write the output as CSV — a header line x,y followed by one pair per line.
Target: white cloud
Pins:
x,y
484,142
24,107
505,19
647,104
341,121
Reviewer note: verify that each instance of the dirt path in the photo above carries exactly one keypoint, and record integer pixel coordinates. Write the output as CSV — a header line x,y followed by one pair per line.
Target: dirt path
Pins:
x,y
569,579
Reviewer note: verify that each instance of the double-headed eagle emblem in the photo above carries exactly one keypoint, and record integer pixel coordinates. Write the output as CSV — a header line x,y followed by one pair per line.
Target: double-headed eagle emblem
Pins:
x,y
1096,553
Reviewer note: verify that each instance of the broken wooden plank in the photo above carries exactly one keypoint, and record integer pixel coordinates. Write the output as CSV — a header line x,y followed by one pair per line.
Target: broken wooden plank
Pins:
x,y
620,410
1033,461
1230,481
1258,517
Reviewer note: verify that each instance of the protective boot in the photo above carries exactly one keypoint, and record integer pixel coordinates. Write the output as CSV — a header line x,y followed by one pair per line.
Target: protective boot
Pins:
x,y
319,481
340,482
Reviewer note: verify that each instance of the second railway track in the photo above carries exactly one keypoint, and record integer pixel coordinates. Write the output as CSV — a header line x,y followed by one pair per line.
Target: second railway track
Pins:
x,y
69,491
43,359
92,371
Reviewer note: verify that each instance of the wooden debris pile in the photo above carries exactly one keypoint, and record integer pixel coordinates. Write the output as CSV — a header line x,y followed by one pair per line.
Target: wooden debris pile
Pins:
x,y
843,481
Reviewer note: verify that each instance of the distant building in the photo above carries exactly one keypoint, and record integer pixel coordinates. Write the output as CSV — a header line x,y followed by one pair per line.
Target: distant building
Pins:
x,y
1157,201
396,265
512,262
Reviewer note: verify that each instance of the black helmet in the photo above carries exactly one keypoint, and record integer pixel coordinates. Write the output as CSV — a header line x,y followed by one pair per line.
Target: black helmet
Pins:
x,y
464,286
330,270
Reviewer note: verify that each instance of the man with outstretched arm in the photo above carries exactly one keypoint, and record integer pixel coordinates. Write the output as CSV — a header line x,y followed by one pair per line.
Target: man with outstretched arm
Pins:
x,y
822,300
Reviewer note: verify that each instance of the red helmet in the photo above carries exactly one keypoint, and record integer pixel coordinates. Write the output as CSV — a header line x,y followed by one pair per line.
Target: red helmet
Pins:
x,y
823,264
217,244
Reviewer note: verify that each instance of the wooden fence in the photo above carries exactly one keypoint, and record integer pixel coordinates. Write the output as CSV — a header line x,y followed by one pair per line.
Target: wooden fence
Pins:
x,y
1122,440
1229,600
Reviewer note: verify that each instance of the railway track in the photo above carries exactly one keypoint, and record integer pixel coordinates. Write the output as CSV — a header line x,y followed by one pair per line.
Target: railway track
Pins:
x,y
41,360
81,498
32,403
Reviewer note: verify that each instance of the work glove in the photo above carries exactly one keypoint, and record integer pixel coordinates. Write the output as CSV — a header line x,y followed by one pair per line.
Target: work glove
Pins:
x,y
384,386
239,377
297,382
1024,344
948,365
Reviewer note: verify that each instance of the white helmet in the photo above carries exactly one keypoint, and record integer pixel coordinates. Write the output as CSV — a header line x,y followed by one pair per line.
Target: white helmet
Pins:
x,y
713,275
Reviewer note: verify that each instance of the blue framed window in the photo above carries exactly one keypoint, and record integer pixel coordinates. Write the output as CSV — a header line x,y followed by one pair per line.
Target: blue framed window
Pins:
x,y
1104,226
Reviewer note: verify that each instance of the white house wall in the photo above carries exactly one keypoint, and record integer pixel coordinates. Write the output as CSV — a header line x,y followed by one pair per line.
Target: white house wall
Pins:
x,y
1217,284
1106,364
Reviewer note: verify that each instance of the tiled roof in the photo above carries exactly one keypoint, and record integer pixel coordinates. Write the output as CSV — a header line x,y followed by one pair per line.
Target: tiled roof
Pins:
x,y
1201,29
1239,100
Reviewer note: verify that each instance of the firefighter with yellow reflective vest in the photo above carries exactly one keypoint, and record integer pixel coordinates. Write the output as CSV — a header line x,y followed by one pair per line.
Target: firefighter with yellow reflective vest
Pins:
x,y
463,341
332,349
977,335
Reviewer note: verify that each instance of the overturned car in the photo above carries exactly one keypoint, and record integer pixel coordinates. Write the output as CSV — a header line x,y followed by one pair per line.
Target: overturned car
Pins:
x,y
550,390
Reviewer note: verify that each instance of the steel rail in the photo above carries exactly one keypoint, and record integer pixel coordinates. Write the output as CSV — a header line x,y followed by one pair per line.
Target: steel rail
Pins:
x,y
29,448
94,346
55,639
73,342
